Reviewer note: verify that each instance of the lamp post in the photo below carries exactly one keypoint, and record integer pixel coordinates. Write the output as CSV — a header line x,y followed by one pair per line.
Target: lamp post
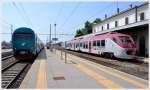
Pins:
x,y
50,39
55,37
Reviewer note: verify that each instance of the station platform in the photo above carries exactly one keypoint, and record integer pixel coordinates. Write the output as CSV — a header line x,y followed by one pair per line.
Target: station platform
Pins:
x,y
6,50
143,59
50,70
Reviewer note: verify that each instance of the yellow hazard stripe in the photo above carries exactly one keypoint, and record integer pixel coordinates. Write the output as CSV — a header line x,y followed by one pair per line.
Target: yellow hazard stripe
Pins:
x,y
41,81
102,80
109,71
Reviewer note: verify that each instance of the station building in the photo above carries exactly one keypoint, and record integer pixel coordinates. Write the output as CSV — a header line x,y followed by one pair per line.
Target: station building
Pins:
x,y
134,21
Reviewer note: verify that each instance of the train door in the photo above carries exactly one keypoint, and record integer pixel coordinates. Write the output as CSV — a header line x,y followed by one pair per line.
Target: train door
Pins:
x,y
74,46
142,46
89,46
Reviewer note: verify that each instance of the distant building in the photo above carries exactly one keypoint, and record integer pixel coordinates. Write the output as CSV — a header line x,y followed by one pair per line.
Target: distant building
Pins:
x,y
133,21
6,45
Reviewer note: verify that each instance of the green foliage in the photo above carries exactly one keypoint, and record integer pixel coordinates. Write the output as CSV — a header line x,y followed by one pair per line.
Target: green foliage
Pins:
x,y
87,27
78,33
97,20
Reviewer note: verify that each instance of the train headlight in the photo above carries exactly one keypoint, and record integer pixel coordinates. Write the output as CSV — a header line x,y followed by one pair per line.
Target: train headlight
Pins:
x,y
23,52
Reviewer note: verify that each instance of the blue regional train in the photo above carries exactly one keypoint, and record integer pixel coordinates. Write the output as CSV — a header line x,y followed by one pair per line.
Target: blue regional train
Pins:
x,y
26,45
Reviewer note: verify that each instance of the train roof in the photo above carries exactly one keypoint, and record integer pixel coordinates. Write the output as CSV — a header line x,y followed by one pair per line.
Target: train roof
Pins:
x,y
108,35
96,36
24,30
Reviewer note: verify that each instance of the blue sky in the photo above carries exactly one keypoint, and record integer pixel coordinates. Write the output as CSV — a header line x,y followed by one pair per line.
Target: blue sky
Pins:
x,y
39,15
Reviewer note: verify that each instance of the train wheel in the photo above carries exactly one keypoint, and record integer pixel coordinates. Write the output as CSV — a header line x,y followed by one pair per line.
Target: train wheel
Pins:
x,y
111,55
106,55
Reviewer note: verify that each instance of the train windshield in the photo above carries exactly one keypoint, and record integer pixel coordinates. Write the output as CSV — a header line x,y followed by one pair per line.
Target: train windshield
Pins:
x,y
23,36
125,39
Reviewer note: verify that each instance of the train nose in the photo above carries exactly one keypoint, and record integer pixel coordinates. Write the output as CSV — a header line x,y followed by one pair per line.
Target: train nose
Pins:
x,y
130,52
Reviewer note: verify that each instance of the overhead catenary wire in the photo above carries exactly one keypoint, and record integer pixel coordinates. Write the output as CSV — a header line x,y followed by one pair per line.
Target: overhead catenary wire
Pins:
x,y
25,14
59,13
99,11
19,11
4,22
72,12
58,34
46,34
7,25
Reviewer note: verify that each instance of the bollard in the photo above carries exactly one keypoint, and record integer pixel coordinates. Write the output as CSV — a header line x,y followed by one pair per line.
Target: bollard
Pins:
x,y
65,57
61,55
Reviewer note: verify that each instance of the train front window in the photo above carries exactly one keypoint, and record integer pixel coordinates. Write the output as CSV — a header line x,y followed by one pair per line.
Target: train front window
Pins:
x,y
23,36
125,39
114,39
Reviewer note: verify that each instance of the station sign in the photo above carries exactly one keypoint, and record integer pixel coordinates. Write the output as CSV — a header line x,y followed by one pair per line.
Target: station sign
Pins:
x,y
55,39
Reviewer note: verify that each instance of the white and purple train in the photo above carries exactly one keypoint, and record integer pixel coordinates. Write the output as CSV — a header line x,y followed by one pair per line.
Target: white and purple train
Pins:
x,y
110,44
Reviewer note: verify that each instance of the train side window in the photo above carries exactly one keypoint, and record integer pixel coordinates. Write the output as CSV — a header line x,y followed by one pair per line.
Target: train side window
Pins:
x,y
98,43
80,44
103,43
94,43
86,45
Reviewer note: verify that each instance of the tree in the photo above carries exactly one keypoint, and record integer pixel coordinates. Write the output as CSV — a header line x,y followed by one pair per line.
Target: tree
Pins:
x,y
79,33
97,20
87,27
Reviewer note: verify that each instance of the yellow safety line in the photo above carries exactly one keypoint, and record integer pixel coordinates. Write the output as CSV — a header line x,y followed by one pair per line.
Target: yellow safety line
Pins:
x,y
109,71
102,80
41,82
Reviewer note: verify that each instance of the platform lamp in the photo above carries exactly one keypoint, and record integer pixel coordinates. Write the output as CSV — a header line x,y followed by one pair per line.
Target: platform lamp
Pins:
x,y
55,37
50,39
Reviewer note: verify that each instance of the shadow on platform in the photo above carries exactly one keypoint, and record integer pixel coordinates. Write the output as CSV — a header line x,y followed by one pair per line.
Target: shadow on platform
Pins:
x,y
42,55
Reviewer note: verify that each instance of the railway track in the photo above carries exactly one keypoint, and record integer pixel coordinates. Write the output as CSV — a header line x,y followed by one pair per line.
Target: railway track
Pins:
x,y
13,72
134,67
6,57
6,54
8,62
